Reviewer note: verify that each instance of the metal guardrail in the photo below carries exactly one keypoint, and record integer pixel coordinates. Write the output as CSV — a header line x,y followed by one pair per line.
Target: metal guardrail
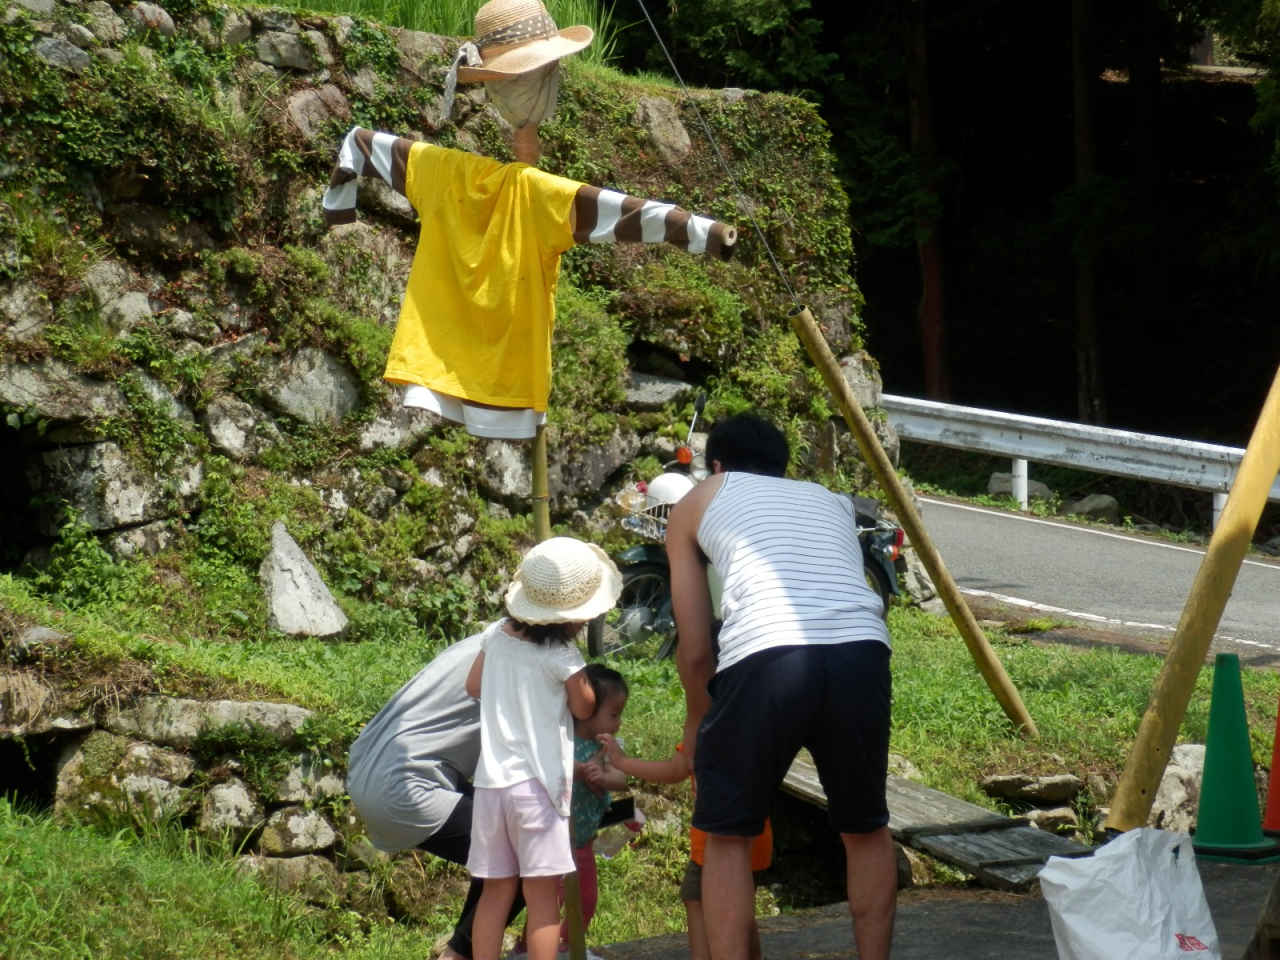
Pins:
x,y
1121,453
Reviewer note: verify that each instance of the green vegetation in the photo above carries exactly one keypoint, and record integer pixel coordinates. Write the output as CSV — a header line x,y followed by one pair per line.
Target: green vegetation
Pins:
x,y
1086,703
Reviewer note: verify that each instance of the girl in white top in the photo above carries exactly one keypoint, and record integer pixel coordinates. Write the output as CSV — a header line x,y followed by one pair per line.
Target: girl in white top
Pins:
x,y
530,681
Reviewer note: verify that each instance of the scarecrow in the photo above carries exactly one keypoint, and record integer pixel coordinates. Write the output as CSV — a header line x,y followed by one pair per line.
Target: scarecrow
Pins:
x,y
473,343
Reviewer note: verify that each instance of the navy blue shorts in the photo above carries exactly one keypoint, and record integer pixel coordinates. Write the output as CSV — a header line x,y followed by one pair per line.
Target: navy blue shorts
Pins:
x,y
833,700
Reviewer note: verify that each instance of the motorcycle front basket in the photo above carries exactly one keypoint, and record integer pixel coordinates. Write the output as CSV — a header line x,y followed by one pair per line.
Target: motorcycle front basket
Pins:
x,y
650,523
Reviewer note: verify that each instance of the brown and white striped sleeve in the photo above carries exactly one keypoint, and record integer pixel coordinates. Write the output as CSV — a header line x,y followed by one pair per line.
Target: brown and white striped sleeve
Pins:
x,y
605,216
364,154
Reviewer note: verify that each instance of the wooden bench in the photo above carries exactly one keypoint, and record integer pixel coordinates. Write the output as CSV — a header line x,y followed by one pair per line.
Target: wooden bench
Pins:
x,y
1002,852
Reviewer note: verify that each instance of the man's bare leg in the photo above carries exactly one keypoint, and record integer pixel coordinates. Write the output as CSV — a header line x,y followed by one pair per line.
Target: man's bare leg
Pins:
x,y
728,896
872,872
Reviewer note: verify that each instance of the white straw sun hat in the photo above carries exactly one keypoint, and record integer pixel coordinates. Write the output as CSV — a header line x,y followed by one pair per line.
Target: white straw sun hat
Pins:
x,y
519,36
563,580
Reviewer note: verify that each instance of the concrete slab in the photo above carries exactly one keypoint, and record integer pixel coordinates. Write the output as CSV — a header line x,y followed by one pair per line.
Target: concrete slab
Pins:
x,y
968,924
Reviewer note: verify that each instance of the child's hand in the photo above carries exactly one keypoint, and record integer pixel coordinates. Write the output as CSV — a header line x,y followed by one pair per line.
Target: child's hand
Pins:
x,y
613,753
593,774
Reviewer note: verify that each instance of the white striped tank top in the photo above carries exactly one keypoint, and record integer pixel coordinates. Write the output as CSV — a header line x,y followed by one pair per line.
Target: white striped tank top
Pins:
x,y
787,552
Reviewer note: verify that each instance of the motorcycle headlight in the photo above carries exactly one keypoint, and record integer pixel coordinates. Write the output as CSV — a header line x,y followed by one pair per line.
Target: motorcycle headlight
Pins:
x,y
698,468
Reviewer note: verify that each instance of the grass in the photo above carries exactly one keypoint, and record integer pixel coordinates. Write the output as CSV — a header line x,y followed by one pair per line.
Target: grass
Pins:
x,y
453,18
77,892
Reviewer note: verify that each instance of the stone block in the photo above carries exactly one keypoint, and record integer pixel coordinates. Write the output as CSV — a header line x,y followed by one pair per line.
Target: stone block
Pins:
x,y
308,781
661,122
176,722
24,312
62,54
311,110
1001,484
229,810
311,877
298,602
151,17
239,430
311,385
286,51
647,391
295,830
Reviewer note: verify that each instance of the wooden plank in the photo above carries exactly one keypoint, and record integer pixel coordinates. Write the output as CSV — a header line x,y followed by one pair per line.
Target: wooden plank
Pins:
x,y
913,807
1004,859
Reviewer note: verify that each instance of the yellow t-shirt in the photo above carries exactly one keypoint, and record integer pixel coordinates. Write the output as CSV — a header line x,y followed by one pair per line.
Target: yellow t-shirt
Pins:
x,y
479,307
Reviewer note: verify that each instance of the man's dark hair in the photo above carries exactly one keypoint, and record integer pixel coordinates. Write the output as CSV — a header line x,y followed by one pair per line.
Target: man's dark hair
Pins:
x,y
606,682
749,444
546,634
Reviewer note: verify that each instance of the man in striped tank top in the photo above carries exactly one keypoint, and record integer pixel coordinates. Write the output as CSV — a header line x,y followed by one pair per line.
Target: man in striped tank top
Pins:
x,y
803,662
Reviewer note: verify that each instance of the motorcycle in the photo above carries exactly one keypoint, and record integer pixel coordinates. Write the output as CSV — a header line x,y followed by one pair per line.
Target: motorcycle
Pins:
x,y
642,624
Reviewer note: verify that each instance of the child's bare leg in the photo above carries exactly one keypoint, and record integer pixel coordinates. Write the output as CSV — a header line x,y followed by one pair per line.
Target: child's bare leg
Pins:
x,y
542,917
698,947
491,917
757,951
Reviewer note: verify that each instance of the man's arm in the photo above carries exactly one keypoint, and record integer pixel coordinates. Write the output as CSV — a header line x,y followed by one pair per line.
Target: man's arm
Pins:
x,y
691,603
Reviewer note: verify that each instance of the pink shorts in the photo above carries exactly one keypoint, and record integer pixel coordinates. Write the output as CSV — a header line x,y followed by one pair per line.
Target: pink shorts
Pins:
x,y
517,831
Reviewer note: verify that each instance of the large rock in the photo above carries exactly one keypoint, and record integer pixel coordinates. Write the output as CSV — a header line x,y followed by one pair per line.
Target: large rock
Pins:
x,y
312,109
105,25
377,195
177,723
309,781
1096,506
291,51
1177,799
226,29
150,17
150,760
1001,485
128,311
404,427
107,774
54,391
43,8
143,541
106,280
661,122
588,467
298,602
28,642
24,312
62,54
229,810
505,472
862,374
311,877
420,53
312,386
107,489
24,697
237,429
647,391
295,830
1053,788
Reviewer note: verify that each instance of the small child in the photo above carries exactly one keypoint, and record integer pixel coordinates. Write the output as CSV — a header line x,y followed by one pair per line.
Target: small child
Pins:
x,y
673,770
593,778
531,683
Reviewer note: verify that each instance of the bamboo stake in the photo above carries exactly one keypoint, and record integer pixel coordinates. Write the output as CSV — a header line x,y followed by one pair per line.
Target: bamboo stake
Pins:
x,y
542,531
541,498
1208,598
988,664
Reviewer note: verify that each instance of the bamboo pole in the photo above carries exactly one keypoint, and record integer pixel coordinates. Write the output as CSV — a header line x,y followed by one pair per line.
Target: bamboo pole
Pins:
x,y
541,498
542,531
988,664
1208,598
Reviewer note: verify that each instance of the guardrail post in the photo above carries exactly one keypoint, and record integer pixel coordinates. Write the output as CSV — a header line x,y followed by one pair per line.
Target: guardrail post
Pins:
x,y
1219,502
1020,482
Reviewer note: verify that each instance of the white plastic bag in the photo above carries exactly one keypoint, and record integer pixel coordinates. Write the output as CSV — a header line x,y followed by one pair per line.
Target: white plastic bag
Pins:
x,y
1139,897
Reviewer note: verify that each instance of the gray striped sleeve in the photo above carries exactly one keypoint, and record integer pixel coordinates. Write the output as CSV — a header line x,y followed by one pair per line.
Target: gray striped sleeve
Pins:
x,y
364,153
605,216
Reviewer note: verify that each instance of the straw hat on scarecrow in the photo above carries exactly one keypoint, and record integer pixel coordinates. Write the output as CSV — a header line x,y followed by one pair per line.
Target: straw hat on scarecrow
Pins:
x,y
516,55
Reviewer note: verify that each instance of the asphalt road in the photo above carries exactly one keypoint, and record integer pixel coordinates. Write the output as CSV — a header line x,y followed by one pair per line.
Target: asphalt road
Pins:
x,y
1099,575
